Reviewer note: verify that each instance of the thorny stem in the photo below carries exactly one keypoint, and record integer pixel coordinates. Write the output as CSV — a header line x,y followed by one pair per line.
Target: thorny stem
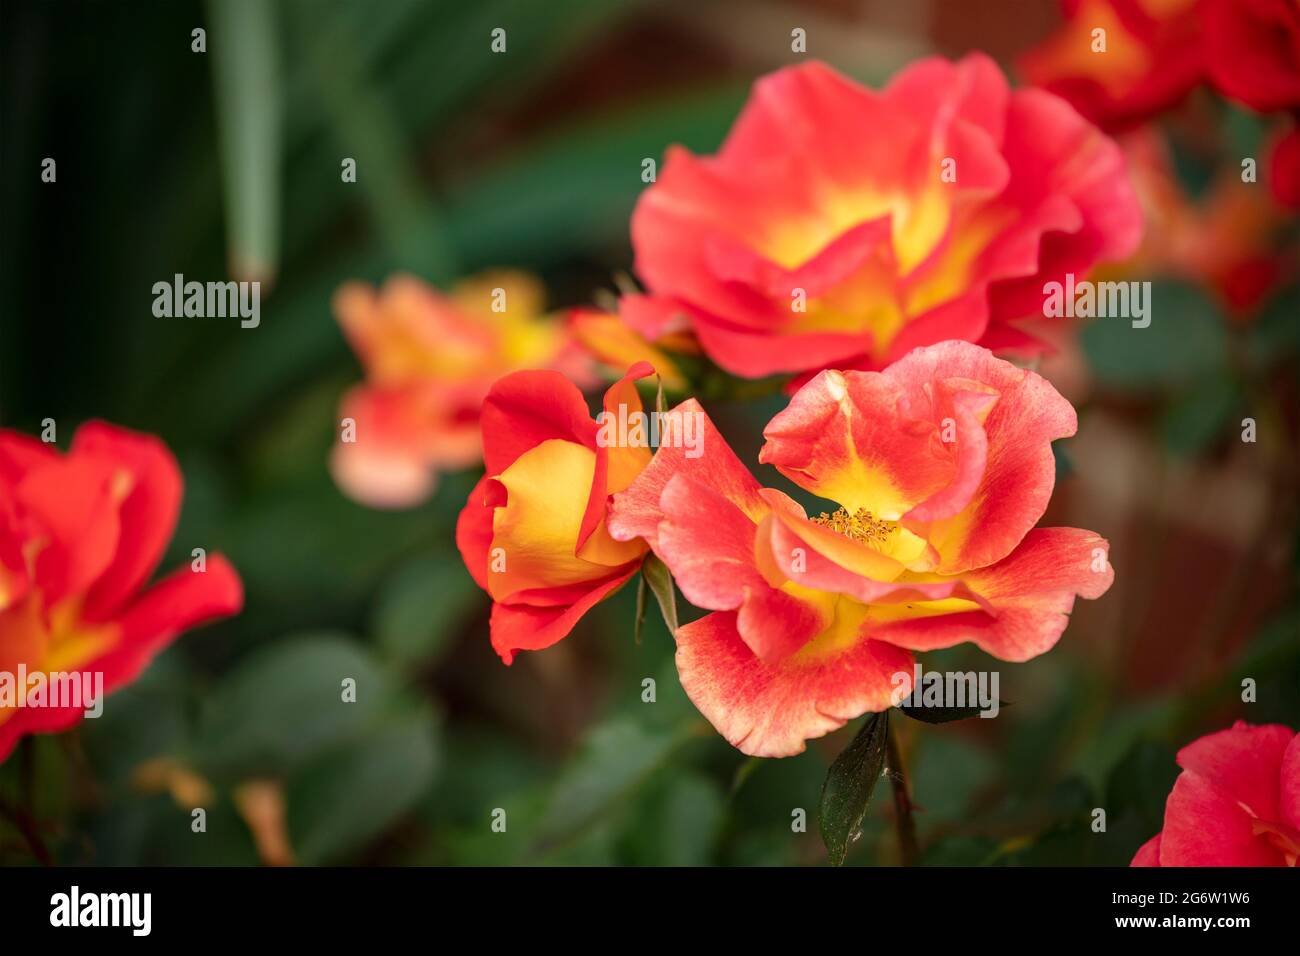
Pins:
x,y
904,824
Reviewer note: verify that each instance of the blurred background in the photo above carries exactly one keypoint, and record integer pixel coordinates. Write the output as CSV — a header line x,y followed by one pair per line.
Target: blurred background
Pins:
x,y
227,164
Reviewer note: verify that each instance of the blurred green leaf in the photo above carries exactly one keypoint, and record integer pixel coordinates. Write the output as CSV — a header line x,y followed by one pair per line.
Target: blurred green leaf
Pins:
x,y
677,824
366,130
284,705
1274,335
246,66
947,773
352,793
1141,783
1195,418
592,172
171,839
1119,731
1185,343
307,547
849,785
142,720
397,52
958,850
615,758
422,606
480,766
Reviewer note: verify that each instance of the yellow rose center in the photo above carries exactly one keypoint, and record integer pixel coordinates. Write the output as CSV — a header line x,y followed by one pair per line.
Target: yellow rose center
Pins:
x,y
861,526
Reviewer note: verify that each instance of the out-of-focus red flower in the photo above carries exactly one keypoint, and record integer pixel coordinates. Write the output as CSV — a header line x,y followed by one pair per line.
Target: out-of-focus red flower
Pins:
x,y
533,533
1252,50
80,535
1152,59
942,465
841,226
1283,169
1230,240
429,360
1236,803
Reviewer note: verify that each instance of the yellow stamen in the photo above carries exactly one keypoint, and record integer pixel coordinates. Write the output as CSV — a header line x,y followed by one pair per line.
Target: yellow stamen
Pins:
x,y
861,526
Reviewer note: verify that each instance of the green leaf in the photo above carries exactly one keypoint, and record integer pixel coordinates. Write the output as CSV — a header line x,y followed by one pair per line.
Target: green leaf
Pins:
x,y
1194,419
366,129
422,606
283,705
657,576
142,720
1275,333
246,69
950,770
1185,343
1141,782
354,792
640,608
677,823
615,759
849,784
591,171
944,715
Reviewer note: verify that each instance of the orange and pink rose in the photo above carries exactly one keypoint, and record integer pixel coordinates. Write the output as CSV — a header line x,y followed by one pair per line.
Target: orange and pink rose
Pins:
x,y
940,466
840,226
429,360
533,534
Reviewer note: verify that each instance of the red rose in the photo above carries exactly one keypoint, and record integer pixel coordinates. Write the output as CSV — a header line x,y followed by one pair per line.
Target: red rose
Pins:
x,y
1252,49
1151,60
1236,803
80,535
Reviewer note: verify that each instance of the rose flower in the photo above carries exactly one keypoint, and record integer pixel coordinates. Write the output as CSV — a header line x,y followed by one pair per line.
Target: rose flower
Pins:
x,y
533,533
841,227
429,360
940,466
1236,803
1151,59
80,536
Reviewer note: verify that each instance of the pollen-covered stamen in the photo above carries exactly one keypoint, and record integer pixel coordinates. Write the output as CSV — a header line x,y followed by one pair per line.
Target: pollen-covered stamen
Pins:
x,y
861,526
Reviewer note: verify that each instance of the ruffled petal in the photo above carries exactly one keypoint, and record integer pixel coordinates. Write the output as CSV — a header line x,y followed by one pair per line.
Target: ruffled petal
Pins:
x,y
1024,601
636,512
772,710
